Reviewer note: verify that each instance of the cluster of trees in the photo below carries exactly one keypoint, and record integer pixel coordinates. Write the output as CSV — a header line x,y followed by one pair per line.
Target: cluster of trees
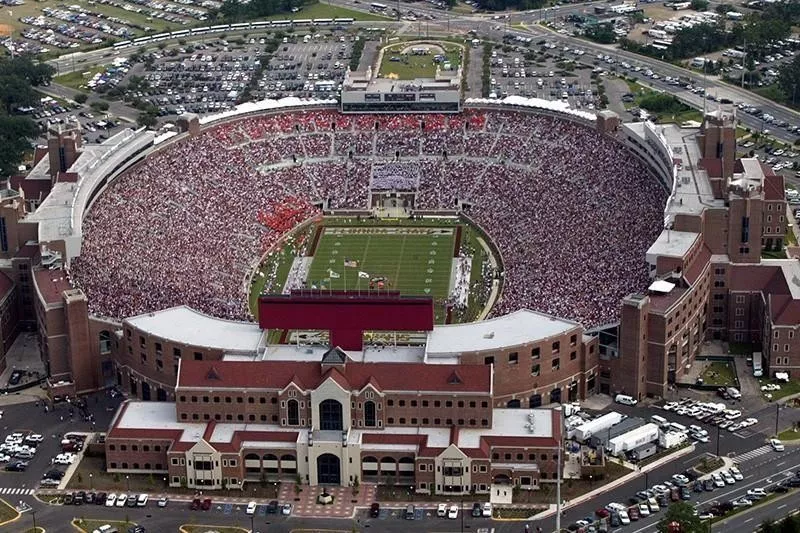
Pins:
x,y
755,32
502,5
789,81
233,10
682,513
18,77
601,33
662,103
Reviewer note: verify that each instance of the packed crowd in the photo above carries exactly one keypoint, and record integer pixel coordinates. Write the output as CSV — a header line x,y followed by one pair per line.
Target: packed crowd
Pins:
x,y
186,225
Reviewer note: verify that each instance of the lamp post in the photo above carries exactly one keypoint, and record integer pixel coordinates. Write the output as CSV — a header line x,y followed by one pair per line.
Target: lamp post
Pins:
x,y
33,515
646,484
777,418
717,440
252,526
91,484
128,482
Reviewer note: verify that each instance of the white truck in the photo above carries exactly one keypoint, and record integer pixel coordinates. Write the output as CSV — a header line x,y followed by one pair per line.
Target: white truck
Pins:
x,y
670,439
633,439
601,423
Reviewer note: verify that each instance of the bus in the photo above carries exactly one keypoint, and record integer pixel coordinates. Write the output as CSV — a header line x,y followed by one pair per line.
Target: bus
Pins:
x,y
379,7
758,368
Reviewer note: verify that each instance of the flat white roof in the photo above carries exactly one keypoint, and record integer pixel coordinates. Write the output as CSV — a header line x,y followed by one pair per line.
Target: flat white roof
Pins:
x,y
510,423
159,415
661,286
370,354
183,324
671,243
514,329
224,432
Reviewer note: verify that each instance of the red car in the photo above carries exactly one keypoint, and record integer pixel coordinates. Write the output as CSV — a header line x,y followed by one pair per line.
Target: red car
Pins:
x,y
207,504
195,504
602,513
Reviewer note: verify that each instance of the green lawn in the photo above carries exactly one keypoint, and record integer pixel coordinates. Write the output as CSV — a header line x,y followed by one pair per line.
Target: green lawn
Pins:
x,y
410,66
76,79
787,389
326,11
7,513
788,435
718,373
415,261
773,254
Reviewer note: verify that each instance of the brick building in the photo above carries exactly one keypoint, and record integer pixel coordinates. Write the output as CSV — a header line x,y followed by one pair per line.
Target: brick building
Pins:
x,y
332,421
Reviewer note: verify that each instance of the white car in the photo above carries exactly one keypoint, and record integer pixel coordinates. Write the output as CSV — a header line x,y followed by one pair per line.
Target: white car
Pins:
x,y
644,510
121,499
756,493
452,513
742,502
776,445
286,510
749,422
251,509
34,437
623,517
736,473
64,459
718,481
441,510
670,406
486,512
728,478
111,500
680,479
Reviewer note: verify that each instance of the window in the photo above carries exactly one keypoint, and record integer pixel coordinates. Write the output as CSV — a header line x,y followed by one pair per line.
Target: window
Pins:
x,y
176,353
424,403
369,414
556,346
513,358
785,347
437,403
535,353
448,403
488,360
536,370
293,412
390,403
573,340
556,363
198,356
402,403
573,355
413,403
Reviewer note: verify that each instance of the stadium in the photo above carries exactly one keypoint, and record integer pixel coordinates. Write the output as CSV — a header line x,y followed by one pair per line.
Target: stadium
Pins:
x,y
299,288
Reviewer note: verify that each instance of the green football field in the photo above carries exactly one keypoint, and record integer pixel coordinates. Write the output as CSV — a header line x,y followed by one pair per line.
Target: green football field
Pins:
x,y
413,260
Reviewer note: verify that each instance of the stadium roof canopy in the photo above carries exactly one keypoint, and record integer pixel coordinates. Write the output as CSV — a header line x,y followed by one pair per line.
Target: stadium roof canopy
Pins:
x,y
517,328
184,325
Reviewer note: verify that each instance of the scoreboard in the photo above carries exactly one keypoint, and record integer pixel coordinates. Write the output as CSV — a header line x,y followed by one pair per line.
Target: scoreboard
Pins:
x,y
440,101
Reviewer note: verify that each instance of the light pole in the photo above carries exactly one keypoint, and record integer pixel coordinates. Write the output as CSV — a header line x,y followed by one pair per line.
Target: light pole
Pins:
x,y
91,484
128,482
33,515
252,526
777,418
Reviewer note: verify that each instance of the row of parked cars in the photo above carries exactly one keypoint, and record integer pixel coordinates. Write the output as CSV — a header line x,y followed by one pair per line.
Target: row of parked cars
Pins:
x,y
18,449
110,500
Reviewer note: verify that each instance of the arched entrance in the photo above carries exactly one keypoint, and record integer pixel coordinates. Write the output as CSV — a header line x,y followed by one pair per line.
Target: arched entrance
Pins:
x,y
514,404
330,415
328,469
555,396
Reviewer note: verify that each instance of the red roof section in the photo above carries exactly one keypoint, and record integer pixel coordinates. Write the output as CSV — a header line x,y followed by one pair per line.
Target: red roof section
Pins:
x,y
773,185
391,376
697,266
51,284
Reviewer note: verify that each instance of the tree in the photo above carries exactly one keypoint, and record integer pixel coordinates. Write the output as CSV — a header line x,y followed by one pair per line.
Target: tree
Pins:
x,y
146,119
15,135
682,513
699,5
789,79
100,105
81,98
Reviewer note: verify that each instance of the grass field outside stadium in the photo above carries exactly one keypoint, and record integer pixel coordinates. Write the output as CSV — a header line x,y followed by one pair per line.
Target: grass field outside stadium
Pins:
x,y
415,257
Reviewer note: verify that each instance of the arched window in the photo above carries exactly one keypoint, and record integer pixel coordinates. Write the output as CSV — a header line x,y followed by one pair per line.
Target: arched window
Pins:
x,y
369,414
293,412
330,415
105,342
251,457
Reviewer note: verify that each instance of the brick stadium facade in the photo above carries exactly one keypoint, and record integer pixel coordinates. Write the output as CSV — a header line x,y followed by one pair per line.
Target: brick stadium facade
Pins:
x,y
709,282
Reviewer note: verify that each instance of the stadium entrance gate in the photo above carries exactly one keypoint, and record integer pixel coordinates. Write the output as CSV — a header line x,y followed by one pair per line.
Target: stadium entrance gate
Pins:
x,y
328,470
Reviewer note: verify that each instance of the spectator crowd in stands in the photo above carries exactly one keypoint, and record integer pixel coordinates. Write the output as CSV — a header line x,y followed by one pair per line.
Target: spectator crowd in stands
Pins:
x,y
570,211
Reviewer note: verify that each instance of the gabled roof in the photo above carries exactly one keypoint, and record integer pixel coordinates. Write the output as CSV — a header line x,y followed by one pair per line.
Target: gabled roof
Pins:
x,y
334,356
276,375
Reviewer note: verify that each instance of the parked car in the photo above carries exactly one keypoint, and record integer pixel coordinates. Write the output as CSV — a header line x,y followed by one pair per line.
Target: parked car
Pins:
x,y
286,509
251,509
777,445
196,504
441,510
272,507
374,510
487,510
163,501
206,504
111,500
476,510
100,499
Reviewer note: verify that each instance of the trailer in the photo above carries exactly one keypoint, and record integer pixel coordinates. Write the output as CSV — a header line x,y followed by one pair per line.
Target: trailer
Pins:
x,y
601,423
643,452
657,34
633,439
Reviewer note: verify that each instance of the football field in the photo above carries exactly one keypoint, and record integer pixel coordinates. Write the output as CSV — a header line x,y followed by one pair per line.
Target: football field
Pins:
x,y
412,260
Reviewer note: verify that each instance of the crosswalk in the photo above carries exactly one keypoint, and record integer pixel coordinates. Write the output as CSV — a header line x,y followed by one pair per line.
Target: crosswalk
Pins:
x,y
16,491
752,454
